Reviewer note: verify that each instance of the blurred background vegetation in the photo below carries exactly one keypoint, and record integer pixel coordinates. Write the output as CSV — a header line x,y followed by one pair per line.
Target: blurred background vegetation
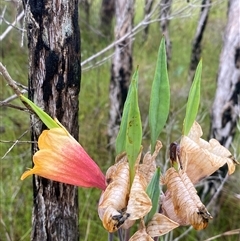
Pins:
x,y
16,196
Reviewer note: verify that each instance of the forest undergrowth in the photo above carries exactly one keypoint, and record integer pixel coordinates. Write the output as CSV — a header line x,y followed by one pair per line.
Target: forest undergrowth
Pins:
x,y
15,147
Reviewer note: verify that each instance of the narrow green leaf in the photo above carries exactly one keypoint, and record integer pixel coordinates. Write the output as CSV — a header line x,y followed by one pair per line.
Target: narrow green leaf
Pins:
x,y
134,130
45,118
121,138
193,100
153,191
160,96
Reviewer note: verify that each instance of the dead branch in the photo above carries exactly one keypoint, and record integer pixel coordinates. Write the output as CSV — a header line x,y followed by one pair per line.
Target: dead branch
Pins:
x,y
11,25
9,80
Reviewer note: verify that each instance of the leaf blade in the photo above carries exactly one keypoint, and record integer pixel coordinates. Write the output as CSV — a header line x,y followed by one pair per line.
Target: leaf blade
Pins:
x,y
153,191
120,144
193,100
134,130
160,96
45,118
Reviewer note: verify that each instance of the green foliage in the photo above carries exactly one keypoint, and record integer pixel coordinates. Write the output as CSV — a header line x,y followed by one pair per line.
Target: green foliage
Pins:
x,y
121,138
45,118
134,130
160,97
153,191
193,101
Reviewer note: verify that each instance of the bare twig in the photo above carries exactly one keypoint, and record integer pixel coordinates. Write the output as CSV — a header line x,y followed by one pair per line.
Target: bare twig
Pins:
x,y
228,233
216,194
11,25
9,99
19,142
181,12
15,143
9,79
13,106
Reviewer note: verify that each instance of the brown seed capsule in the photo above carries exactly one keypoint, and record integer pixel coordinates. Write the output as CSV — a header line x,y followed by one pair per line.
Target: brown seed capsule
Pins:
x,y
113,201
160,225
201,158
187,205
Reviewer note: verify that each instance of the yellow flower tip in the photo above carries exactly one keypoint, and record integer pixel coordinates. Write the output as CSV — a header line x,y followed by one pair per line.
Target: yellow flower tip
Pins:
x,y
26,174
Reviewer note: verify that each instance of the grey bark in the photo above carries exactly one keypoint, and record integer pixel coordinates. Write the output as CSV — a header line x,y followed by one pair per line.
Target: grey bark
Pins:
x,y
196,43
54,84
165,10
121,68
225,109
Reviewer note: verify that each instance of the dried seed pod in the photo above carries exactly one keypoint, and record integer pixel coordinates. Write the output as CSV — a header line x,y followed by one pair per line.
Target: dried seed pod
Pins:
x,y
119,206
113,201
160,225
113,219
187,204
201,158
139,203
141,235
148,165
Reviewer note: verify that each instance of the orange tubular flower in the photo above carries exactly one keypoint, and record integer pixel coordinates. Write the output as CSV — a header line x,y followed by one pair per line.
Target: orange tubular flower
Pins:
x,y
61,158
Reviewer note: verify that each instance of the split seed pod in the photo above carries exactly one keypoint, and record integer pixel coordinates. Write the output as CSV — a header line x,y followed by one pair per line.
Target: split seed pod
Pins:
x,y
113,201
201,158
157,226
182,204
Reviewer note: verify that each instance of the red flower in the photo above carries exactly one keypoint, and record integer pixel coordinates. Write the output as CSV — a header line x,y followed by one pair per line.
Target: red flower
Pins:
x,y
61,158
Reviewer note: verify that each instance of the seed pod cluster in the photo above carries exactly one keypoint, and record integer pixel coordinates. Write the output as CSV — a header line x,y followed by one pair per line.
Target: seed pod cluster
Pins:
x,y
122,203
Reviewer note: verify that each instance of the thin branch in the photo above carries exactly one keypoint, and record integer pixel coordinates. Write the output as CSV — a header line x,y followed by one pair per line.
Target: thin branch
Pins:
x,y
14,106
181,12
228,233
14,144
19,142
216,194
11,25
9,99
3,13
9,79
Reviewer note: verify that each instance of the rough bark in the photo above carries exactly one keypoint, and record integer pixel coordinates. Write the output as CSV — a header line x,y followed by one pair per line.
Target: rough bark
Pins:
x,y
121,68
165,10
147,10
225,110
107,14
196,44
54,85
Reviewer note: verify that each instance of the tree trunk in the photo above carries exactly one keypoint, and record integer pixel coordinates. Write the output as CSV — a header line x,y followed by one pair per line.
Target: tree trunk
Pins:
x,y
54,84
225,110
147,10
196,44
165,10
107,14
121,68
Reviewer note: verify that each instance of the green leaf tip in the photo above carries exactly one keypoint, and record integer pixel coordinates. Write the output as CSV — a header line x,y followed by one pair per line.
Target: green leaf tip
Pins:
x,y
153,191
121,137
45,118
160,96
134,129
193,100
